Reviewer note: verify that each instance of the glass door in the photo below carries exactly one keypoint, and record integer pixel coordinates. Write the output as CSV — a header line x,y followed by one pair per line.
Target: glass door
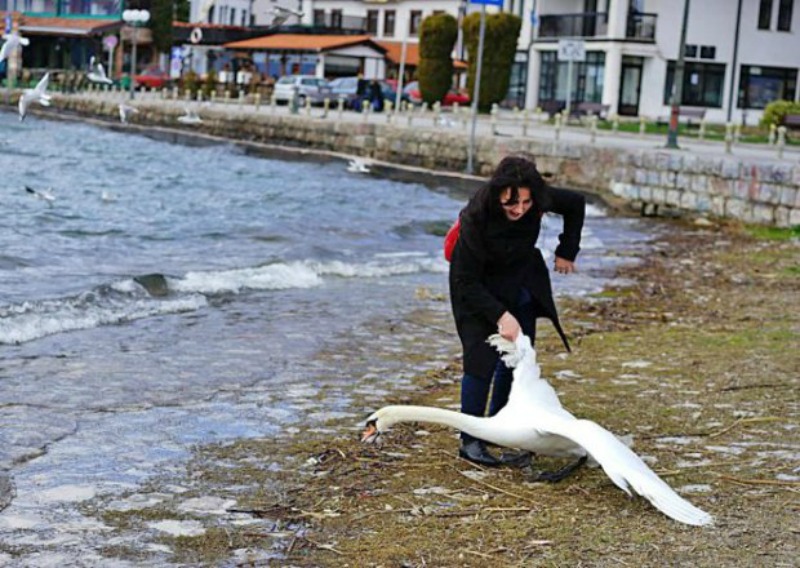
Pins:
x,y
630,86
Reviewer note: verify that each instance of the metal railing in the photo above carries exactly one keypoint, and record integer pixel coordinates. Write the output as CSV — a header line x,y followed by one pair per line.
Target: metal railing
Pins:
x,y
641,26
587,24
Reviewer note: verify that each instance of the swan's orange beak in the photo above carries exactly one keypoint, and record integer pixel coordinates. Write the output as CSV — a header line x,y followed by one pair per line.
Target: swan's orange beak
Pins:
x,y
369,433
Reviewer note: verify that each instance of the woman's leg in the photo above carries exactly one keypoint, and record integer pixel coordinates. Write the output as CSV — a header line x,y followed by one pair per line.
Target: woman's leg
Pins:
x,y
474,394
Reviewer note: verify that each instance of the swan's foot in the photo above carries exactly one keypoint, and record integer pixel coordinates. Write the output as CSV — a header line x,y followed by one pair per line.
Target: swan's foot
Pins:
x,y
556,476
519,459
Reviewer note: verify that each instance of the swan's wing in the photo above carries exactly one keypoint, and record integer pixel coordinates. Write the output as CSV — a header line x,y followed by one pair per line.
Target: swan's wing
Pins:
x,y
4,50
624,467
23,40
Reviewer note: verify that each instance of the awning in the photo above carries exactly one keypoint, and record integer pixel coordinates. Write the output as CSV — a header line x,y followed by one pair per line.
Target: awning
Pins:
x,y
305,42
76,27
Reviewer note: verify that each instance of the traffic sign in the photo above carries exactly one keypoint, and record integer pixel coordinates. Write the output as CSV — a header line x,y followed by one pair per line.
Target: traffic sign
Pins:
x,y
571,50
110,42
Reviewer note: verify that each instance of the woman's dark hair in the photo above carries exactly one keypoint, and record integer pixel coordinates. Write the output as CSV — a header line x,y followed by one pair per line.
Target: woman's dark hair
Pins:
x,y
513,172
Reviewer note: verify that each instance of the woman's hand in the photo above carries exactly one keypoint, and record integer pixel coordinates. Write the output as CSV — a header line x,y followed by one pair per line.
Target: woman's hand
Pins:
x,y
508,326
564,266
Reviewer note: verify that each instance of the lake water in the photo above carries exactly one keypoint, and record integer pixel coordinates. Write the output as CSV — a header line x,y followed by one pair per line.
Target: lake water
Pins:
x,y
267,264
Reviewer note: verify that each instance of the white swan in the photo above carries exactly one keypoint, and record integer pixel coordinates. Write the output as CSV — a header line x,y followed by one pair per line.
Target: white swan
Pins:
x,y
36,95
534,420
125,111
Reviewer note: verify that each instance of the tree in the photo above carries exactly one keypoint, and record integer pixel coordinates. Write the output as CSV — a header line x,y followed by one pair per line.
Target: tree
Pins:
x,y
162,14
438,34
499,48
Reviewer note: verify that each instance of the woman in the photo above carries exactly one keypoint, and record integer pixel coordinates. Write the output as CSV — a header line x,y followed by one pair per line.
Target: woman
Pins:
x,y
499,280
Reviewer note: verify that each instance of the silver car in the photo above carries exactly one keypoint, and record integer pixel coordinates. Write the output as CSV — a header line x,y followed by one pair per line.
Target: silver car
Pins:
x,y
308,87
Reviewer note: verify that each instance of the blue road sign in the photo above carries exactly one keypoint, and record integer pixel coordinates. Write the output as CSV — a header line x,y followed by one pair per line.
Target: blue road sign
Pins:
x,y
498,3
8,24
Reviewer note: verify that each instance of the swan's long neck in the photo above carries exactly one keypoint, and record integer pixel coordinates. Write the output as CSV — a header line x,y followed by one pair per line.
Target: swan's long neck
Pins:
x,y
395,414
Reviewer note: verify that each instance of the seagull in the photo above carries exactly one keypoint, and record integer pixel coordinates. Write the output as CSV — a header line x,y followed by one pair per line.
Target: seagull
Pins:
x,y
534,420
13,40
125,111
281,14
36,95
358,165
191,117
44,195
97,73
107,196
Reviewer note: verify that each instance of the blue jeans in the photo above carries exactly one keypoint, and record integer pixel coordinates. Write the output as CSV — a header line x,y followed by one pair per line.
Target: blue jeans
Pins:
x,y
475,390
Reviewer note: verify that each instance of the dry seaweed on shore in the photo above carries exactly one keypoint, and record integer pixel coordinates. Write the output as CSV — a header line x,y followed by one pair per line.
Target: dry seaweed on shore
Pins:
x,y
698,359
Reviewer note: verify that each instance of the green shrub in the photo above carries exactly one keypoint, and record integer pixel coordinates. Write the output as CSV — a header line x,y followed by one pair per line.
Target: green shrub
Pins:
x,y
437,37
776,110
210,84
499,49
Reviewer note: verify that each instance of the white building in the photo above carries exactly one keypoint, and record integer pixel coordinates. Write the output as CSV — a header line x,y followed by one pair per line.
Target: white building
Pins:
x,y
740,54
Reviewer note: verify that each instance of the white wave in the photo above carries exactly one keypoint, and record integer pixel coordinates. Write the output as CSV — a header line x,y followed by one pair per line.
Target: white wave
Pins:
x,y
33,320
594,210
303,274
271,277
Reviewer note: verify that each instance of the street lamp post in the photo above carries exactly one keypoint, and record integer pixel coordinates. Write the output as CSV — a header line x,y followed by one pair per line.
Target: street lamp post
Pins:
x,y
136,19
677,84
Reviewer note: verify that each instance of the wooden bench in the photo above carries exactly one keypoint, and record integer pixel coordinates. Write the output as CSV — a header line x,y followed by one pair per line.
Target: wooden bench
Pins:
x,y
552,107
791,121
587,109
687,115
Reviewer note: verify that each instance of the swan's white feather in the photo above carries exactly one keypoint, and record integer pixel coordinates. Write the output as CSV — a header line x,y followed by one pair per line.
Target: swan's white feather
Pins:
x,y
534,420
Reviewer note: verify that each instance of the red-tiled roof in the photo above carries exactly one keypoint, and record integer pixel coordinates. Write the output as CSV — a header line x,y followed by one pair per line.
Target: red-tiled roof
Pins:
x,y
303,42
394,53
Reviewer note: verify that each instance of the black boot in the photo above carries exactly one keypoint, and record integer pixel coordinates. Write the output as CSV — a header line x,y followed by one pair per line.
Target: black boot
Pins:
x,y
476,452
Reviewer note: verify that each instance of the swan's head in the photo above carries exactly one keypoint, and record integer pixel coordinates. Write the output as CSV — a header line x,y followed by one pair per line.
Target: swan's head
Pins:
x,y
372,430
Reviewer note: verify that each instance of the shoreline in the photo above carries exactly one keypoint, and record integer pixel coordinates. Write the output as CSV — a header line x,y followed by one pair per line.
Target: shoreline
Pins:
x,y
679,374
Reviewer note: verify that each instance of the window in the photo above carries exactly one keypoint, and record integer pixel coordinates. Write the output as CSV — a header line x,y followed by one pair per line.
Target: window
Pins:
x,y
759,86
388,23
372,22
233,16
336,19
689,50
702,84
414,21
708,52
764,14
319,18
785,15
587,78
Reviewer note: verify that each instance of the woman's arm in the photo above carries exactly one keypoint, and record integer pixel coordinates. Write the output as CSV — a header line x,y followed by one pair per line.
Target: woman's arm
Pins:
x,y
571,205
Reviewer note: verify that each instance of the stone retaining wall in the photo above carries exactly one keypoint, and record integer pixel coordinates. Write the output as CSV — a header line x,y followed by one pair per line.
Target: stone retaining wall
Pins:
x,y
753,191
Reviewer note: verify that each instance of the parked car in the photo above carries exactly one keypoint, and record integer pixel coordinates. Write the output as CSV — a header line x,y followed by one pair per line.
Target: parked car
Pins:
x,y
151,78
452,96
351,90
354,90
309,88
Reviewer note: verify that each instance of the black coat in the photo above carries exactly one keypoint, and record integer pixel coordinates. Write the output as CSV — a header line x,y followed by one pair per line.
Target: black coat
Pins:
x,y
494,259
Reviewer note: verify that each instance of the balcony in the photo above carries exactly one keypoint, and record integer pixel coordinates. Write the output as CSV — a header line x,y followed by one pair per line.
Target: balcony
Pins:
x,y
641,26
587,24
338,21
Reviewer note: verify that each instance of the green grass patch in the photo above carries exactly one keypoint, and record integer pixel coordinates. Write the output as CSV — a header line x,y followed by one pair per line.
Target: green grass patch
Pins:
x,y
774,233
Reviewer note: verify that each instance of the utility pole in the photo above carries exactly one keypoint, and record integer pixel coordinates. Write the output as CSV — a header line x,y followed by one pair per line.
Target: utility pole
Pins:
x,y
677,84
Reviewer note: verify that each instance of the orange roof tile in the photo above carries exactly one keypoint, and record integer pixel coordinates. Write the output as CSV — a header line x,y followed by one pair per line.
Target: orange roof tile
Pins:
x,y
303,42
66,26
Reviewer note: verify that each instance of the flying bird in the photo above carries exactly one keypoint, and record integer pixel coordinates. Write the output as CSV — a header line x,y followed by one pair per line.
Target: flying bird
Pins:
x,y
534,420
125,111
44,195
97,73
358,165
190,117
281,14
36,95
13,40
